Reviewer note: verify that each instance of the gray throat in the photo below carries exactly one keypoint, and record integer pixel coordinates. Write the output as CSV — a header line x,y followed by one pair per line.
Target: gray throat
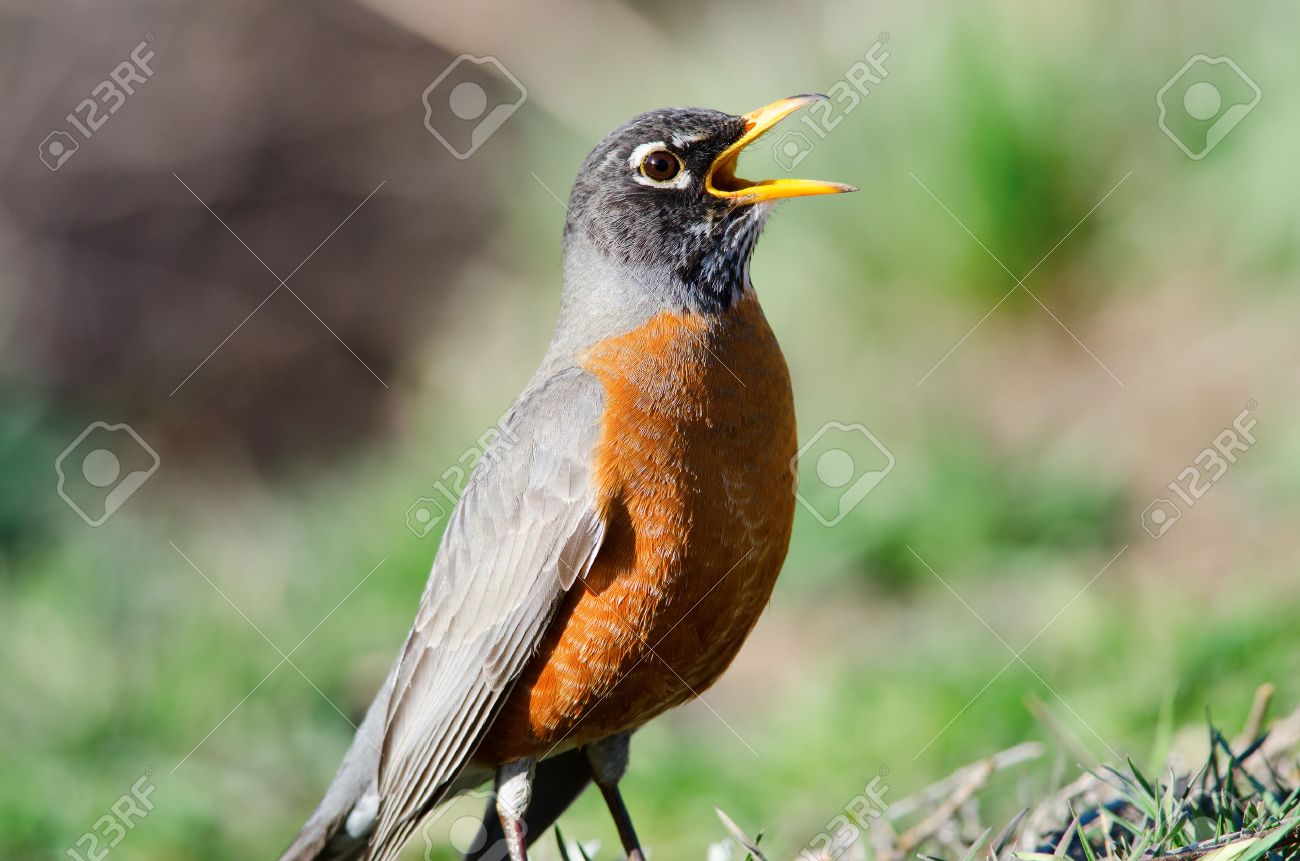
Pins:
x,y
604,296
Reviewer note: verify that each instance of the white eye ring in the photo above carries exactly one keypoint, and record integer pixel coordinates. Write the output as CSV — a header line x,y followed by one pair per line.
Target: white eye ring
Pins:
x,y
681,180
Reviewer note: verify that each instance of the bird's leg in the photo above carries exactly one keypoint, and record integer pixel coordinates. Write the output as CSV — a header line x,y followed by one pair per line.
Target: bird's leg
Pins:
x,y
608,759
557,782
514,789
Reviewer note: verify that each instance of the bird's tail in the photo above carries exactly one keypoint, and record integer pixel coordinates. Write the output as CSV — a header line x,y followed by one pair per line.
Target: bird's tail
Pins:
x,y
339,828
559,781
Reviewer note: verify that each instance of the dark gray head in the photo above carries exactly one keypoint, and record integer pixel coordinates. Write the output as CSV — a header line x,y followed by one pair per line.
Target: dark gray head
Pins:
x,y
660,196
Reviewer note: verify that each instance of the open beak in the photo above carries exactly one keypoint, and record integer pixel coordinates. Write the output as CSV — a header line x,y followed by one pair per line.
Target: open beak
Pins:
x,y
721,180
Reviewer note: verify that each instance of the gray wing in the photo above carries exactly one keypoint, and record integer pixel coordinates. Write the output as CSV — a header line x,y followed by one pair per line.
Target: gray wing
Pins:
x,y
527,525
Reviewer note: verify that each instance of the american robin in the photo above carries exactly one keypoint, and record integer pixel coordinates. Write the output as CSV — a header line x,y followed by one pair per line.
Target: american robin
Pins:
x,y
619,540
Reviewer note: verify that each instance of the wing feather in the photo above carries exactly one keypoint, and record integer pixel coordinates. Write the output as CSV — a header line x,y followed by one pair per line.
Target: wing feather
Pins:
x,y
527,525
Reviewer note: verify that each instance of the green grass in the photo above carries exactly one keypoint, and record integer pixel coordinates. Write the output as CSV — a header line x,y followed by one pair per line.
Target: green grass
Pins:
x,y
1241,803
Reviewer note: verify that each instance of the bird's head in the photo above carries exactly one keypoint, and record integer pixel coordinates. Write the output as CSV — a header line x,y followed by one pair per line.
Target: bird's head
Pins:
x,y
660,197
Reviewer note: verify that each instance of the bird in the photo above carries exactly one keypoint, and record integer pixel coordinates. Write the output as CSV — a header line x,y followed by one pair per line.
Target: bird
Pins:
x,y
620,537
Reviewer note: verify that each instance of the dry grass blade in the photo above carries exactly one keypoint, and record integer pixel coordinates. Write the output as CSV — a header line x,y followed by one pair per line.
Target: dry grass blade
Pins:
x,y
974,781
941,789
1004,836
750,844
1258,714
1234,846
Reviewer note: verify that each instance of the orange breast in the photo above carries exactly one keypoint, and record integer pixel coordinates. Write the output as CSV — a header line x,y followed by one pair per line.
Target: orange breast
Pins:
x,y
693,469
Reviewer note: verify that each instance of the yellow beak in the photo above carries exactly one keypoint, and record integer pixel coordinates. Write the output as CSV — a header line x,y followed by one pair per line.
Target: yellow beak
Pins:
x,y
721,180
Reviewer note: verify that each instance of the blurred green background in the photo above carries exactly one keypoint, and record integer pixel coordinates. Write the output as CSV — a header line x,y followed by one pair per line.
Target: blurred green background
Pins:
x,y
1160,304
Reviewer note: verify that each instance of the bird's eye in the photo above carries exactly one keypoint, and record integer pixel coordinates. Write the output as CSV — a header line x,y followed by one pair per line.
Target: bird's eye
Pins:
x,y
660,165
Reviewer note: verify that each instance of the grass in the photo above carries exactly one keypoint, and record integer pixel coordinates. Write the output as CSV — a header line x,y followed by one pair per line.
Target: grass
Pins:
x,y
1241,804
